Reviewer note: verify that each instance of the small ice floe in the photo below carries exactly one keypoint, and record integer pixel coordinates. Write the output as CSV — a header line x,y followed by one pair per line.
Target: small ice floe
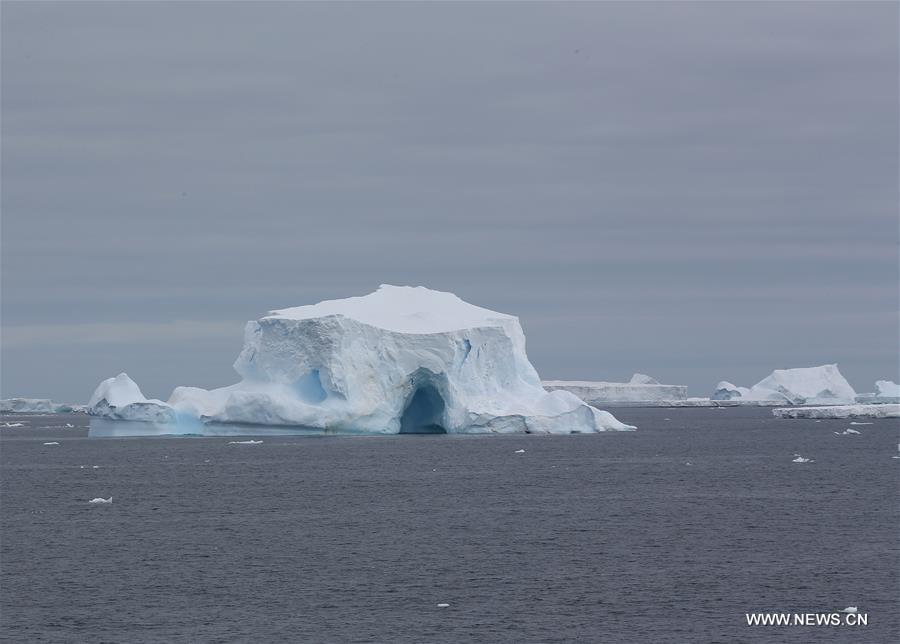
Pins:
x,y
51,443
100,501
688,463
853,422
443,605
70,425
850,609
898,451
95,467
801,459
667,419
519,451
847,432
14,425
250,442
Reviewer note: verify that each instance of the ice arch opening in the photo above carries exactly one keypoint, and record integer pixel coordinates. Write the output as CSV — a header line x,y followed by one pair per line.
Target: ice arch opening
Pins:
x,y
424,412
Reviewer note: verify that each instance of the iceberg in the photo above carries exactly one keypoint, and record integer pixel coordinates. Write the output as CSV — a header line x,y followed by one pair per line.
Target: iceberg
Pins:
x,y
727,391
640,391
886,391
399,360
120,398
802,386
840,411
36,406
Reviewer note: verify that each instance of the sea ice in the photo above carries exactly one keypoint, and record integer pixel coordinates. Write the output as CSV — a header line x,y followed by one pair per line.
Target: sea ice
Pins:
x,y
100,501
801,459
52,443
399,360
640,391
250,442
839,411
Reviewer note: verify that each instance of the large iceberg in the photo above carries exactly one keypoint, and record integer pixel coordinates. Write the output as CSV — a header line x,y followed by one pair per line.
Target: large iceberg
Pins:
x,y
822,385
640,391
399,360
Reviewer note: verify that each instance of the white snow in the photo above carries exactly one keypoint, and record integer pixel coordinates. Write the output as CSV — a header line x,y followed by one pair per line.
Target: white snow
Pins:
x,y
36,406
640,391
99,501
800,386
839,411
401,359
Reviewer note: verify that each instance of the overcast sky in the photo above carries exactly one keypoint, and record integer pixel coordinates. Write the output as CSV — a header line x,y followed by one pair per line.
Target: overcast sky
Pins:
x,y
694,191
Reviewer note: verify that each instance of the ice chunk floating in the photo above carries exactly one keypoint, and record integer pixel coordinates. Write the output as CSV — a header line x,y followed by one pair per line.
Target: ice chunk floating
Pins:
x,y
399,360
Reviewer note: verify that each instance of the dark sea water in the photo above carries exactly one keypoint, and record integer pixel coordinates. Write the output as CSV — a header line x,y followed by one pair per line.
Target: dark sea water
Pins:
x,y
668,534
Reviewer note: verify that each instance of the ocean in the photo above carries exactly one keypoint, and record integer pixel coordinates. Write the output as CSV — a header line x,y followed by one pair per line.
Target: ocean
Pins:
x,y
672,533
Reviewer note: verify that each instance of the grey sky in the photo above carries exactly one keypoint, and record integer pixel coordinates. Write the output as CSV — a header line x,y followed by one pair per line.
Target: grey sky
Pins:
x,y
695,191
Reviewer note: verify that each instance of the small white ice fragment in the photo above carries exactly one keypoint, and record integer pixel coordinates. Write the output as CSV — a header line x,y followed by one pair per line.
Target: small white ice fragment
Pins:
x,y
519,451
15,424
100,500
251,442
443,605
51,443
95,467
69,425
801,459
853,422
850,609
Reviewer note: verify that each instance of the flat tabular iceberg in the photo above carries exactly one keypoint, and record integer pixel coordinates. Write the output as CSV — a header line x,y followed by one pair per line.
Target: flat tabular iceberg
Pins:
x,y
36,406
840,411
640,391
803,386
399,360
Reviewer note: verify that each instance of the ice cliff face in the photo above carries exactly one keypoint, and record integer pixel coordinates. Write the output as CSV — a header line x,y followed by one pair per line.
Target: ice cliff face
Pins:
x,y
808,385
400,360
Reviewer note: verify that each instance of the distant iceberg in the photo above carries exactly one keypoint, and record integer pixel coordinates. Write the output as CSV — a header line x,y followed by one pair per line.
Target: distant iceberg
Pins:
x,y
840,411
822,385
399,360
36,406
886,391
640,391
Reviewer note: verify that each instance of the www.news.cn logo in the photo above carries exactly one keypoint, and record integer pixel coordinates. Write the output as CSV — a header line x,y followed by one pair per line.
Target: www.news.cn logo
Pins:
x,y
847,617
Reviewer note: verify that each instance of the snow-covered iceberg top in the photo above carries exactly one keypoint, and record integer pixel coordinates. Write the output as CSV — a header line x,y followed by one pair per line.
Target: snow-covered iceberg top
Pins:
x,y
120,398
36,406
807,385
399,360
